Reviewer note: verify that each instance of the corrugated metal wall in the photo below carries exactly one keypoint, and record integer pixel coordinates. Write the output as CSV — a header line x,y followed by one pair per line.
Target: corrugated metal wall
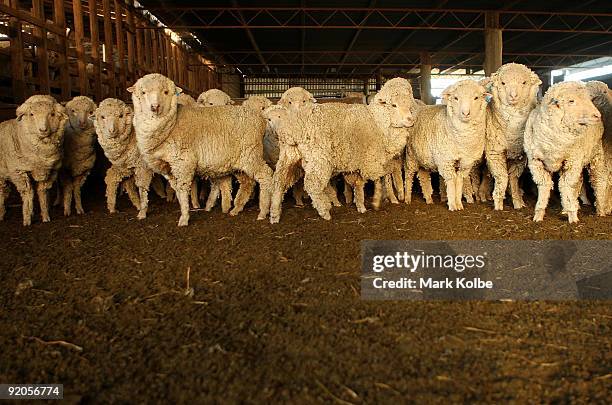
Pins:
x,y
273,87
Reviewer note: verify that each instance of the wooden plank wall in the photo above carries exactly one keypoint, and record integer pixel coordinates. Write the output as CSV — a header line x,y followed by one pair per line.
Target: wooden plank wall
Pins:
x,y
92,47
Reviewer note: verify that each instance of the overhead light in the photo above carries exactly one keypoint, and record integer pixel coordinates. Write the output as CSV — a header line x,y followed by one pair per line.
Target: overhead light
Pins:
x,y
589,73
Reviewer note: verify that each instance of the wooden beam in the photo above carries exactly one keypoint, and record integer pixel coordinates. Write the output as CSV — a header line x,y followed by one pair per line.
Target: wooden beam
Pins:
x,y
79,34
59,15
493,43
42,56
425,78
94,28
108,48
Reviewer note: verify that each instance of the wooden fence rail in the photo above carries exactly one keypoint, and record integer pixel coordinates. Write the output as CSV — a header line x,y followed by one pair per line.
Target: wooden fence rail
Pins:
x,y
91,47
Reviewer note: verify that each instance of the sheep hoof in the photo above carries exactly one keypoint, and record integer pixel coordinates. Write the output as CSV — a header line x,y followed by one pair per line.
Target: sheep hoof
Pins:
x,y
66,213
538,216
336,204
27,222
572,217
234,212
274,219
518,204
141,215
326,216
46,219
299,205
469,200
80,211
261,216
361,210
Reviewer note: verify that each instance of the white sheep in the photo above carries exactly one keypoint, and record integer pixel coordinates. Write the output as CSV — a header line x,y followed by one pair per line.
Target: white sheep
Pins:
x,y
564,134
449,139
213,141
79,152
336,138
113,123
221,185
31,147
602,98
186,99
514,88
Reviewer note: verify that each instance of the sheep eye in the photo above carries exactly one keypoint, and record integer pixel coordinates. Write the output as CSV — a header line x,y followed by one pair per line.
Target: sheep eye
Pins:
x,y
303,101
503,83
476,98
290,102
571,101
209,103
102,117
53,114
120,115
394,105
525,82
31,114
456,98
166,92
91,113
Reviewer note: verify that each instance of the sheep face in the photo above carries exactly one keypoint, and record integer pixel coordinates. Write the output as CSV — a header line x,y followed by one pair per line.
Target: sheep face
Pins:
x,y
113,119
257,103
41,118
280,119
465,100
214,97
515,85
79,110
296,99
154,95
571,105
400,109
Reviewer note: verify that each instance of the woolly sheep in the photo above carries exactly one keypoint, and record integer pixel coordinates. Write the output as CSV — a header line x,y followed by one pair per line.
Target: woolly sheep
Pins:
x,y
352,139
222,185
214,97
563,134
213,141
186,99
113,124
514,88
31,147
602,98
79,152
449,139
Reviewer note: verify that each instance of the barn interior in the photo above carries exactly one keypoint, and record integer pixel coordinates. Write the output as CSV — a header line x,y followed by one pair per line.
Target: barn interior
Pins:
x,y
231,309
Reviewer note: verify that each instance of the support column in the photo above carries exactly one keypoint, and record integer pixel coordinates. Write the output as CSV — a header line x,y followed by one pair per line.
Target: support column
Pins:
x,y
425,78
378,80
493,43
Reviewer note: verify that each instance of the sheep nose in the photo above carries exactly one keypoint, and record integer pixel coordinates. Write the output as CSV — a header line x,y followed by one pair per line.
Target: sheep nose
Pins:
x,y
155,108
465,114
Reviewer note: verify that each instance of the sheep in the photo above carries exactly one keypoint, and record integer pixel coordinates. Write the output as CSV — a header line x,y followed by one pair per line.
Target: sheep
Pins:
x,y
79,152
222,185
333,138
113,123
213,141
297,99
602,98
31,149
449,139
564,134
514,88
214,97
186,99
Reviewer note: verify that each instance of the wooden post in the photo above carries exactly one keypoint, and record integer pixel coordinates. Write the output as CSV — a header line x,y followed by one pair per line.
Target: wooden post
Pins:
x,y
17,66
130,43
169,57
120,49
147,50
94,28
139,50
493,43
163,65
42,58
79,34
155,51
108,48
59,14
378,80
425,78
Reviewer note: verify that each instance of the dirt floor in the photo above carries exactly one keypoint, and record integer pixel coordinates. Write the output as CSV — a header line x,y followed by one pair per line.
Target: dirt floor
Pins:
x,y
100,303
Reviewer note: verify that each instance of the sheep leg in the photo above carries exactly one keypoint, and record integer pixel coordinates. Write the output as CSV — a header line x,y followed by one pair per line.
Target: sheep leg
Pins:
x,y
24,187
398,181
467,190
78,183
215,190
357,183
112,181
130,187
450,175
58,195
378,192
411,168
442,186
599,176
425,183
169,192
459,188
568,184
389,193
3,194
247,185
225,185
584,197
543,180
42,190
182,194
316,181
195,202
263,176
158,187
298,193
280,179
348,194
499,169
67,187
515,170
332,193
143,178
475,181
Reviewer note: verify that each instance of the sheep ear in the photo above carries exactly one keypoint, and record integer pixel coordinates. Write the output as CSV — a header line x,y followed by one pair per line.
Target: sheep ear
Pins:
x,y
488,96
554,101
535,80
60,109
445,96
92,117
178,90
131,89
314,100
232,102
